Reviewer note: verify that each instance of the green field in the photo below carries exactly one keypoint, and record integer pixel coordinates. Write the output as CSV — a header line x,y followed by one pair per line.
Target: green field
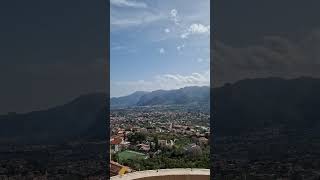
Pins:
x,y
127,154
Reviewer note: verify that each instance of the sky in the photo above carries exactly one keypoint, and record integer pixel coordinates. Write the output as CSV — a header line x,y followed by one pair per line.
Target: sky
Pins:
x,y
53,51
158,44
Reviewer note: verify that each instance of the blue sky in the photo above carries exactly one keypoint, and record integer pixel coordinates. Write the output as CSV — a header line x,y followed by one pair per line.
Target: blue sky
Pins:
x,y
159,44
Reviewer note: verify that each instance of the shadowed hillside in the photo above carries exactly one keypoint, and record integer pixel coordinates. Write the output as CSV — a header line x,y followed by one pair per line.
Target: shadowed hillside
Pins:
x,y
84,117
261,103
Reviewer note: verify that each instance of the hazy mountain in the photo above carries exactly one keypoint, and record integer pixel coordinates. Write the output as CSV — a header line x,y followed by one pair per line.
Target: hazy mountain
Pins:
x,y
246,104
84,117
183,96
268,102
126,101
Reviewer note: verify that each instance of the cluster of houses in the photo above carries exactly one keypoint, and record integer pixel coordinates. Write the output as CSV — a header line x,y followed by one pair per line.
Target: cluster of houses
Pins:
x,y
119,140
175,124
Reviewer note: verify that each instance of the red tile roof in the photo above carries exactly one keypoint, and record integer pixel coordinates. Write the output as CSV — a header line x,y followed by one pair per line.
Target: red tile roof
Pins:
x,y
116,140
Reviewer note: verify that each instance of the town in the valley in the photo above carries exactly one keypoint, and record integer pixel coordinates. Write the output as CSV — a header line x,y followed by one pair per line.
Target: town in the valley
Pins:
x,y
158,138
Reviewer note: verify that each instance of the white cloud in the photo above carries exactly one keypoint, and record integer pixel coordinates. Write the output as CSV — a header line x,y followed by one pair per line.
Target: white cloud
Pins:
x,y
199,29
117,48
172,81
167,30
129,21
174,13
162,51
126,18
180,47
128,3
174,16
125,49
164,81
196,29
124,22
184,35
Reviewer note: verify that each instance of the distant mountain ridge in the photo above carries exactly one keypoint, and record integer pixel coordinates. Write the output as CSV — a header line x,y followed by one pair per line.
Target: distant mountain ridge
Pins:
x,y
183,96
238,107
85,117
127,101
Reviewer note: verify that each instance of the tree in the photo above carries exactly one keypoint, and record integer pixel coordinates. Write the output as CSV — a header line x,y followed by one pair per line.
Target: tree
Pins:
x,y
137,137
155,139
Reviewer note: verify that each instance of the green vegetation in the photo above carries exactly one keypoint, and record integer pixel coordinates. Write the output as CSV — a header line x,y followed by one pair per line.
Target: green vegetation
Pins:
x,y
171,139
182,141
130,155
174,158
136,137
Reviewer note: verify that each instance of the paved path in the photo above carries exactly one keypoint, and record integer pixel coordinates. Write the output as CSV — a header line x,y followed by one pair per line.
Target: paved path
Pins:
x,y
165,172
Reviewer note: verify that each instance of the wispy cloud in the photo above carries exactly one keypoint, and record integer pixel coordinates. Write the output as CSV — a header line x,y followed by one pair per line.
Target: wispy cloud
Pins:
x,y
180,47
174,16
128,3
199,29
156,31
123,49
125,22
176,80
200,60
162,51
117,48
164,81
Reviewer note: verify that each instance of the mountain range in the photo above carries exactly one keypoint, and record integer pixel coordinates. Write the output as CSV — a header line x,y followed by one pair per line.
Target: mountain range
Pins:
x,y
86,116
238,107
184,96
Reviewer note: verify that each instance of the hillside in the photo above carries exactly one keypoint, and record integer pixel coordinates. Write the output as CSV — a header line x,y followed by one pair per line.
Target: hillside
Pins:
x,y
126,101
184,96
67,122
242,106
